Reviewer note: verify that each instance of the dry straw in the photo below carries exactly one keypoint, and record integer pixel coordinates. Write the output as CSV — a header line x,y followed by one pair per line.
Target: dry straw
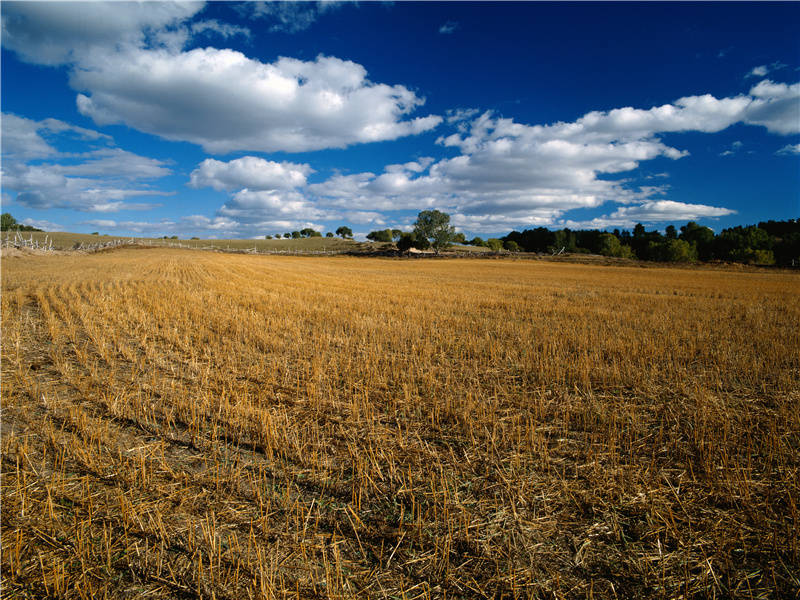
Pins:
x,y
195,425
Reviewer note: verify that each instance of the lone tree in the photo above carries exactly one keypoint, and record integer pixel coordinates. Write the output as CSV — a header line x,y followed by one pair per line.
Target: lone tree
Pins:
x,y
344,232
434,226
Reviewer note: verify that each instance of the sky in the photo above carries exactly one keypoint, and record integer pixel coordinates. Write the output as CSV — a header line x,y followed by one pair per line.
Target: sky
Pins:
x,y
239,120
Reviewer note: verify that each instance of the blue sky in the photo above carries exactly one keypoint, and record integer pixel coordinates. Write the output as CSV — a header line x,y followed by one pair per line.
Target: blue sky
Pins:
x,y
245,119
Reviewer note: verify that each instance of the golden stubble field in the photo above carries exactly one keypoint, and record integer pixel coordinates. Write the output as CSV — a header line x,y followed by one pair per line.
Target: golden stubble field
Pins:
x,y
196,425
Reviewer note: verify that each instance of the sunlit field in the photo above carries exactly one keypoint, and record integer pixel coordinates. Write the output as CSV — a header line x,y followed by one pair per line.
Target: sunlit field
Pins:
x,y
189,424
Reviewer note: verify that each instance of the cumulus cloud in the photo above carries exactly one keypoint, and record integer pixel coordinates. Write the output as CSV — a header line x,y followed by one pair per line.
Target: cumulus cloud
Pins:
x,y
775,106
99,179
224,101
249,172
272,206
53,33
127,62
510,174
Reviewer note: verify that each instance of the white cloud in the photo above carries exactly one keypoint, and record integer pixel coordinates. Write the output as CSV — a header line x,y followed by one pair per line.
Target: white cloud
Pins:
x,y
775,106
789,149
763,70
461,114
224,30
669,210
99,179
659,211
53,33
734,148
363,217
127,61
43,224
272,206
25,139
115,163
448,28
249,172
45,186
290,17
511,174
225,101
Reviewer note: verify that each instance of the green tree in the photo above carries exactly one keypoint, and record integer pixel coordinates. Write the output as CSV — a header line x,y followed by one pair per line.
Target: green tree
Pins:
x,y
383,235
702,238
406,242
672,251
7,222
511,246
763,257
296,235
495,244
434,226
609,245
459,238
477,241
344,232
396,233
329,234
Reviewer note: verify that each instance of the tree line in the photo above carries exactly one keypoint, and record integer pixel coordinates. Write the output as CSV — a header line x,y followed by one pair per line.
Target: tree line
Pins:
x,y
768,243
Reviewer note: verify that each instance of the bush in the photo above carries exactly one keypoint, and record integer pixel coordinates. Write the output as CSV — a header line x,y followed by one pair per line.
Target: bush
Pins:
x,y
609,245
495,244
673,251
384,235
763,257
406,242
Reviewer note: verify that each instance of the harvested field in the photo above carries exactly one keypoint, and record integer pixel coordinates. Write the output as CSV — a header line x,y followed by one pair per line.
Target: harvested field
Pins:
x,y
188,424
